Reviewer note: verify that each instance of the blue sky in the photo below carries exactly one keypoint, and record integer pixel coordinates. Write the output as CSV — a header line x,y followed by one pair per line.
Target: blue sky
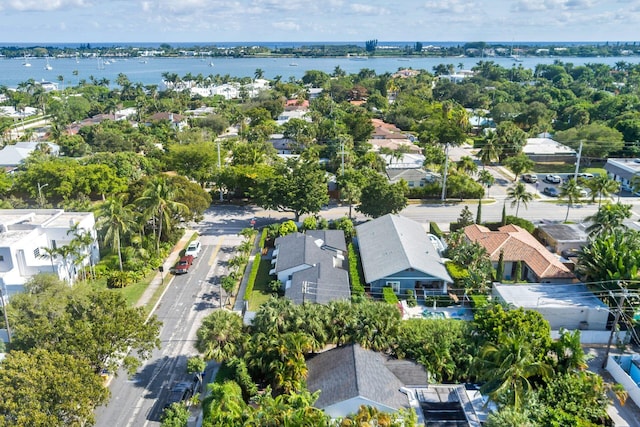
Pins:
x,y
91,21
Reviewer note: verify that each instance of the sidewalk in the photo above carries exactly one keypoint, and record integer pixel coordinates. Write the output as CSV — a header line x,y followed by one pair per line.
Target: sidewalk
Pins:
x,y
168,264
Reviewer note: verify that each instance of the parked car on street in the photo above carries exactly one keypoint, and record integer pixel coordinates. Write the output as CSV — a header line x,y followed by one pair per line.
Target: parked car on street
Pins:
x,y
193,249
530,178
183,265
550,191
585,175
181,392
553,179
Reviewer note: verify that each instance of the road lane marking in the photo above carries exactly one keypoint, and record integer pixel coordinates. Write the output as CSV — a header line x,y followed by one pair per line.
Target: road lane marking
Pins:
x,y
215,251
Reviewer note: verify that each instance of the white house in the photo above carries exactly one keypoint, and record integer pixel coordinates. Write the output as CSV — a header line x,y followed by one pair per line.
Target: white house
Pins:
x,y
25,234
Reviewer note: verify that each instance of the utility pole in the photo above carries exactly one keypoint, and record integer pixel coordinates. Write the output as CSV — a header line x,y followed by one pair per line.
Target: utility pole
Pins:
x,y
6,317
616,319
444,175
575,175
219,167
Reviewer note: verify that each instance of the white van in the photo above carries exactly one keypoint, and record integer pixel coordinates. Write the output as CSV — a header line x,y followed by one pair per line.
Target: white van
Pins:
x,y
193,249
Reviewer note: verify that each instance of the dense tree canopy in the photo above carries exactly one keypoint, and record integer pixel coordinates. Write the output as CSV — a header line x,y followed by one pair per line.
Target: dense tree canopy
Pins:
x,y
95,326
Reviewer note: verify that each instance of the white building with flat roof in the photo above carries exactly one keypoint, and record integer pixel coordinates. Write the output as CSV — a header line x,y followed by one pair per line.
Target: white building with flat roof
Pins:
x,y
563,306
623,170
25,236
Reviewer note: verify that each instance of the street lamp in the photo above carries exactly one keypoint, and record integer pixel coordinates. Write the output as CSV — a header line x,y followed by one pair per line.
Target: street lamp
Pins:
x,y
41,199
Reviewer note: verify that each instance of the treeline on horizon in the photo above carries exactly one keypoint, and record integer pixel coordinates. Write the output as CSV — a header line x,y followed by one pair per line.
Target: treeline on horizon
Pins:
x,y
370,48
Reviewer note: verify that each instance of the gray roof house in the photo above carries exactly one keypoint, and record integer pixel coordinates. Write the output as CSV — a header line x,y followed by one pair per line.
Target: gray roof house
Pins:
x,y
350,376
312,266
11,156
397,252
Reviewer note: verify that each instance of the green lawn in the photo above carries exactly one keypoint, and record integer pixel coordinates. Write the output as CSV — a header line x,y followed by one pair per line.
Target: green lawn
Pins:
x,y
260,294
131,293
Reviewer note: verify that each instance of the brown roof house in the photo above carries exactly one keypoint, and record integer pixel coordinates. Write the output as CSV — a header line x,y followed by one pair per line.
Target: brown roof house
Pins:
x,y
538,264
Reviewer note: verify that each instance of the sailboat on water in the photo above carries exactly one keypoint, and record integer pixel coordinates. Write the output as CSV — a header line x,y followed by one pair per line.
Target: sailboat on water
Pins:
x,y
47,66
26,63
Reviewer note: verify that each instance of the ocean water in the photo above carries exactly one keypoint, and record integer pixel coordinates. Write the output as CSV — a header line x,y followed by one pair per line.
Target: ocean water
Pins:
x,y
149,71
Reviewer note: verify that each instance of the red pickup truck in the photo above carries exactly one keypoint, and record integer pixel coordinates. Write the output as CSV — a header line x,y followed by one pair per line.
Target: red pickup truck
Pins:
x,y
183,265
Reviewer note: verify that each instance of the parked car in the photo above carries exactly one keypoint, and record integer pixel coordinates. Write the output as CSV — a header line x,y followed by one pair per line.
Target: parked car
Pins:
x,y
181,392
530,177
585,175
193,249
553,179
583,193
183,265
550,191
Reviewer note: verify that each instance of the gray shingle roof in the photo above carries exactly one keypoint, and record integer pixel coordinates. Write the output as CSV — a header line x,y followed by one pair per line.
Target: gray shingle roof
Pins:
x,y
331,238
297,249
347,372
393,243
324,284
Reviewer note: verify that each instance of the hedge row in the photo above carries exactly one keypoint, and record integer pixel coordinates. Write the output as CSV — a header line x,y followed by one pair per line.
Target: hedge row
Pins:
x,y
389,296
263,238
435,230
252,276
357,288
457,272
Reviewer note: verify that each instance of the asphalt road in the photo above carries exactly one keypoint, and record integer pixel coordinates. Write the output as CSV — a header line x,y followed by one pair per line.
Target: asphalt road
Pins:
x,y
138,401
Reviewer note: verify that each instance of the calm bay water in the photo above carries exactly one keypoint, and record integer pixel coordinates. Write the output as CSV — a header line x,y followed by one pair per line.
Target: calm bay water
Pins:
x,y
13,72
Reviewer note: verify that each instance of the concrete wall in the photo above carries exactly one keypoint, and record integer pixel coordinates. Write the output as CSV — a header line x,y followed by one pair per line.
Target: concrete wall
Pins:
x,y
572,317
623,378
595,337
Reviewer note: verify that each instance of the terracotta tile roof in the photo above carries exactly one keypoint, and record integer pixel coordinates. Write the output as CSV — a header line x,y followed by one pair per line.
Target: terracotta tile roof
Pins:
x,y
518,245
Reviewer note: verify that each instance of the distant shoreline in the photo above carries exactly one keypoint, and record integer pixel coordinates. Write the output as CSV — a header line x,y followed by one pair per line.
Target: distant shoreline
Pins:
x,y
368,49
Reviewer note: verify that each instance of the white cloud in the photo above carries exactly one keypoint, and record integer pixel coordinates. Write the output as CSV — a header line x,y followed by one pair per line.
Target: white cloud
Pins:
x,y
450,7
42,5
366,9
286,25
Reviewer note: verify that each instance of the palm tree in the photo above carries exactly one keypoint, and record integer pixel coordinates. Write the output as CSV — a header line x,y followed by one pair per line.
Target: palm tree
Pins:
x,y
221,336
508,366
486,179
258,74
608,219
50,253
115,219
570,191
519,194
467,165
158,201
490,151
601,186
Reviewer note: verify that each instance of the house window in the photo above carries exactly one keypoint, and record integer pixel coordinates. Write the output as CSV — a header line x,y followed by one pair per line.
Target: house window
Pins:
x,y
36,253
395,286
54,246
1,258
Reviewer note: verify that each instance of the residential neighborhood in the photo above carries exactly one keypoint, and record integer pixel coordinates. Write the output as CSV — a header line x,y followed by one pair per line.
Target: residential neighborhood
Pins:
x,y
407,249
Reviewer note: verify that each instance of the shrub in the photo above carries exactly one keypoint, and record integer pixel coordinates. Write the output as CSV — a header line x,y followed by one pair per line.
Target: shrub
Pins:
x,y
479,301
120,279
252,277
310,223
287,227
435,230
457,272
263,238
521,222
509,219
389,296
411,298
355,275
